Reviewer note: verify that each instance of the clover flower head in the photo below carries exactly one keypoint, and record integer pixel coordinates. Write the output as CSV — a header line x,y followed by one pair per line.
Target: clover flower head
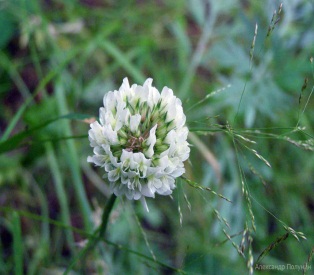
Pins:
x,y
140,140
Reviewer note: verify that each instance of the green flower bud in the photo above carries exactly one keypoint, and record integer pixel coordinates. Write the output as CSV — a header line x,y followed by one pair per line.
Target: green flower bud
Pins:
x,y
115,148
170,125
137,133
122,134
123,141
145,125
137,105
158,142
144,109
155,162
154,116
161,131
158,104
164,116
162,148
117,153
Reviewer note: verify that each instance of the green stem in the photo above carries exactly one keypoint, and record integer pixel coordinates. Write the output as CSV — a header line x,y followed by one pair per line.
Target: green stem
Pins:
x,y
105,216
98,234
17,244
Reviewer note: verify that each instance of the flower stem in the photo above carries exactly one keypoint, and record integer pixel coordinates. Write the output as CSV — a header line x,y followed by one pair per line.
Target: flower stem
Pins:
x,y
97,235
105,216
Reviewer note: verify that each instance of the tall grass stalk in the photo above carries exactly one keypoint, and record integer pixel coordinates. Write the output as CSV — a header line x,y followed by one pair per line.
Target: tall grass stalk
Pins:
x,y
61,192
71,157
196,58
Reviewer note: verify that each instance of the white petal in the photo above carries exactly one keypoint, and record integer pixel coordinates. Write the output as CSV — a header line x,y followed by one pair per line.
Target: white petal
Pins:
x,y
122,118
151,141
95,134
157,183
153,97
134,122
147,191
137,195
109,101
125,84
97,160
141,93
166,93
114,174
148,83
110,135
129,194
177,172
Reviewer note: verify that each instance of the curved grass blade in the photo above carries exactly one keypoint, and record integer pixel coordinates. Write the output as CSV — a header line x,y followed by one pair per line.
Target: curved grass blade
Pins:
x,y
14,142
122,59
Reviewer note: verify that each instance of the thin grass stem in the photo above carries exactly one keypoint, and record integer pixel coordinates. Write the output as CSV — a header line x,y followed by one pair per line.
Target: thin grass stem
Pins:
x,y
61,192
17,244
72,158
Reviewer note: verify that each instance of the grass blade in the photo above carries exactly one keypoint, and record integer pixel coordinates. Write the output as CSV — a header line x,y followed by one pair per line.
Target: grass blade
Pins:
x,y
61,192
73,160
17,244
52,74
16,140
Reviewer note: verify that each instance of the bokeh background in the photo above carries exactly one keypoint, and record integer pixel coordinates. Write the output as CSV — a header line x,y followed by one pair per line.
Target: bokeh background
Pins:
x,y
60,57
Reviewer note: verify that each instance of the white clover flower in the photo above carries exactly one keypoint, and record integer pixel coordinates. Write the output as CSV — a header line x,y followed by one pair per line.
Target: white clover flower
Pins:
x,y
140,140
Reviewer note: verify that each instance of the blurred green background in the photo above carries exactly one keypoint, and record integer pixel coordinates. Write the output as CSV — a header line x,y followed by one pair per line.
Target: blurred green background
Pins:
x,y
61,57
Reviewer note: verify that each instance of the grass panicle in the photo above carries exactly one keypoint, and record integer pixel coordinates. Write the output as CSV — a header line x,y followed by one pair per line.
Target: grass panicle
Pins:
x,y
270,247
233,243
211,94
307,263
274,20
198,186
294,233
253,46
221,219
250,261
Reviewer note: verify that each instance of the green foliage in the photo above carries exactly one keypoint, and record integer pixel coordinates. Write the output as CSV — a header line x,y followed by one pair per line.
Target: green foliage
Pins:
x,y
245,76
